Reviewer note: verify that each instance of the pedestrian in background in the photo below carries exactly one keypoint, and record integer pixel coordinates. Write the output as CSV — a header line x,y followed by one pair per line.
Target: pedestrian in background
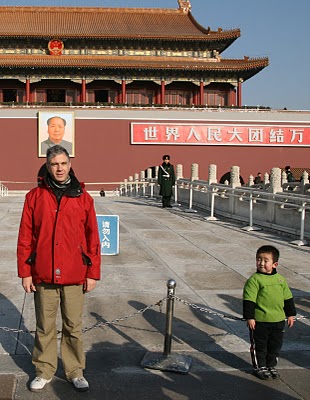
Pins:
x,y
58,260
258,178
267,301
289,174
166,180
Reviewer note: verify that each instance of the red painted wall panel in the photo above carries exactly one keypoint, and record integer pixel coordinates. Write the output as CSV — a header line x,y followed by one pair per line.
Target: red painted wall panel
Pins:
x,y
104,154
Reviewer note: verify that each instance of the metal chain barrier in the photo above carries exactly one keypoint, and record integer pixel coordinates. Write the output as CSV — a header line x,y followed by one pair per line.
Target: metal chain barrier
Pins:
x,y
206,310
116,320
143,310
99,324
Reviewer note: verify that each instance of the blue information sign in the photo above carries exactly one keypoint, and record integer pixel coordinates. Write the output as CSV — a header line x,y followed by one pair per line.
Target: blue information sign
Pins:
x,y
108,226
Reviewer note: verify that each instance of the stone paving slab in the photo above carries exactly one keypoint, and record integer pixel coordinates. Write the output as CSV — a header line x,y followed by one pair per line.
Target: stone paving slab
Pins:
x,y
210,262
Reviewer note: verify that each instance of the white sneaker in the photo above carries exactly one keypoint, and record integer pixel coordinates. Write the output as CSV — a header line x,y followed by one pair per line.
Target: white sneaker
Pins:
x,y
38,384
80,384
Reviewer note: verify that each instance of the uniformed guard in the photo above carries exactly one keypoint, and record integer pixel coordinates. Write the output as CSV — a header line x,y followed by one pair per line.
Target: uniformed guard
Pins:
x,y
166,179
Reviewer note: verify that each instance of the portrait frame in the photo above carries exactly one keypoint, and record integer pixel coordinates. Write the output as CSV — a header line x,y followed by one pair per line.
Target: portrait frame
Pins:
x,y
68,139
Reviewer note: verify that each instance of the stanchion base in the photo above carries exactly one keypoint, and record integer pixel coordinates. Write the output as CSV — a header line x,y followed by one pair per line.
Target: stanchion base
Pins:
x,y
299,242
176,205
211,219
190,210
173,363
250,228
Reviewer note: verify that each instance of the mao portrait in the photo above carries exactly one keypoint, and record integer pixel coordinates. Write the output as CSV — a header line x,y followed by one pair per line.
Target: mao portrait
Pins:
x,y
56,128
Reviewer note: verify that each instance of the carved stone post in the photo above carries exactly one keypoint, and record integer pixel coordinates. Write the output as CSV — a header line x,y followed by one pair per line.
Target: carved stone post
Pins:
x,y
149,173
142,179
179,171
305,178
275,181
251,180
284,177
212,174
234,176
156,171
194,172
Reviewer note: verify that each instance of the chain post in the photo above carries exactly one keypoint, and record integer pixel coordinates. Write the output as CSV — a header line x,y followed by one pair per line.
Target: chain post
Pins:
x,y
171,284
166,361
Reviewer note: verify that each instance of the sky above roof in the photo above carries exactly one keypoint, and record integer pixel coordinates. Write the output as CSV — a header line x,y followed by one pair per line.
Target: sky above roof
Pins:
x,y
278,29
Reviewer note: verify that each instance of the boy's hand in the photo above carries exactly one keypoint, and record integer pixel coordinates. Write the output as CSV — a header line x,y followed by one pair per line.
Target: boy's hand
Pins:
x,y
290,321
251,323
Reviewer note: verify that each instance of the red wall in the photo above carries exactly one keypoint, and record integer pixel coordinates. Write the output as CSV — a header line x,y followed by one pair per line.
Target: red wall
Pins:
x,y
104,154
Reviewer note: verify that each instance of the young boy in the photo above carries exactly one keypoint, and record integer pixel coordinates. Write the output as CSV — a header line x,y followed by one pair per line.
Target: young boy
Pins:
x,y
267,301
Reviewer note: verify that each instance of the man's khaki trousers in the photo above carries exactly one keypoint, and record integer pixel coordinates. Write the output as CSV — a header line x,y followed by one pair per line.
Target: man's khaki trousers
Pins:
x,y
47,299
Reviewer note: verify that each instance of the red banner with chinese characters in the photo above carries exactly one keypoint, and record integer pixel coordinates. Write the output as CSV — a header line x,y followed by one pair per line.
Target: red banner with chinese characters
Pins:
x,y
228,134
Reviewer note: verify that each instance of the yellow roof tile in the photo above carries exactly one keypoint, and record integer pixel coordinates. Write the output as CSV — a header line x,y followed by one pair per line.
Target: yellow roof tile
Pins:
x,y
66,22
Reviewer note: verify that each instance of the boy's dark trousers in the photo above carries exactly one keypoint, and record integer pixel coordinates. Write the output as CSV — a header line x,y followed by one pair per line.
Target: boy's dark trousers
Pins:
x,y
268,337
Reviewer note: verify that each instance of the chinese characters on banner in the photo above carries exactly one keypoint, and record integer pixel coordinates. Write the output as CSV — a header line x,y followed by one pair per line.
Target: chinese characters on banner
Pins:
x,y
108,226
221,134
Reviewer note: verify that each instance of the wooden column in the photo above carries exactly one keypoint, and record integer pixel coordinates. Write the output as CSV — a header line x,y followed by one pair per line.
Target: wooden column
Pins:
x,y
239,94
157,96
201,93
123,91
163,91
232,97
28,90
83,90
196,100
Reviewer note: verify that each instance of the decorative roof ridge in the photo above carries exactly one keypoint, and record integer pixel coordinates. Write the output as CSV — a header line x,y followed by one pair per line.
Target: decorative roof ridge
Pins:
x,y
130,57
89,9
246,58
208,30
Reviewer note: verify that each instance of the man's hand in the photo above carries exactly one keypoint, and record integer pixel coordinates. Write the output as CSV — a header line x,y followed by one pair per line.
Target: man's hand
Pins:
x,y
89,285
28,284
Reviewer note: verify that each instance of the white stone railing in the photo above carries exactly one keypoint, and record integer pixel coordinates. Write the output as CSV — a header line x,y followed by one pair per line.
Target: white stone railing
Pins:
x,y
276,204
4,191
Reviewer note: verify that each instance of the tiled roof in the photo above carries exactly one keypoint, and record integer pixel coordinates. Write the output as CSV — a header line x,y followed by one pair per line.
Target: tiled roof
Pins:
x,y
84,22
125,62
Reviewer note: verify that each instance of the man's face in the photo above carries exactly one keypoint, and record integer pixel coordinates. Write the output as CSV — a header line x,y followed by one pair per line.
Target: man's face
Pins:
x,y
59,168
56,130
166,160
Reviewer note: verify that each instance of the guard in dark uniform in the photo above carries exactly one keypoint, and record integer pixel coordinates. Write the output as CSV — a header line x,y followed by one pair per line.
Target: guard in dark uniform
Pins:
x,y
166,179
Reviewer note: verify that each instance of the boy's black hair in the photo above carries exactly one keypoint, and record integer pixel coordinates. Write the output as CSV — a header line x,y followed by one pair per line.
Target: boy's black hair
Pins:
x,y
269,249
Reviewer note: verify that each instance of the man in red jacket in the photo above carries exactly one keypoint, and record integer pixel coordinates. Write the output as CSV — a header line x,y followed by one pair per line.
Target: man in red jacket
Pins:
x,y
58,256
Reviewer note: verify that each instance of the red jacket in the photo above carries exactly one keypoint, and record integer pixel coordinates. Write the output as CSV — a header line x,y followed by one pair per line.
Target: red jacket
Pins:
x,y
59,243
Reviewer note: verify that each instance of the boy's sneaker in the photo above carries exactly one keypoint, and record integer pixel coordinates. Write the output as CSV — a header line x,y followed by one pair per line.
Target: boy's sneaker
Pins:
x,y
80,384
38,384
262,373
274,373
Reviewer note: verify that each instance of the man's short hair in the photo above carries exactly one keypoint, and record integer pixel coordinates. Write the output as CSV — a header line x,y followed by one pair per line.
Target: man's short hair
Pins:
x,y
55,151
56,116
166,157
271,250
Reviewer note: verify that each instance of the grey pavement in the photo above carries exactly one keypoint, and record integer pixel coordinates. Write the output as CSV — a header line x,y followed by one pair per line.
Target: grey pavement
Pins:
x,y
210,262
